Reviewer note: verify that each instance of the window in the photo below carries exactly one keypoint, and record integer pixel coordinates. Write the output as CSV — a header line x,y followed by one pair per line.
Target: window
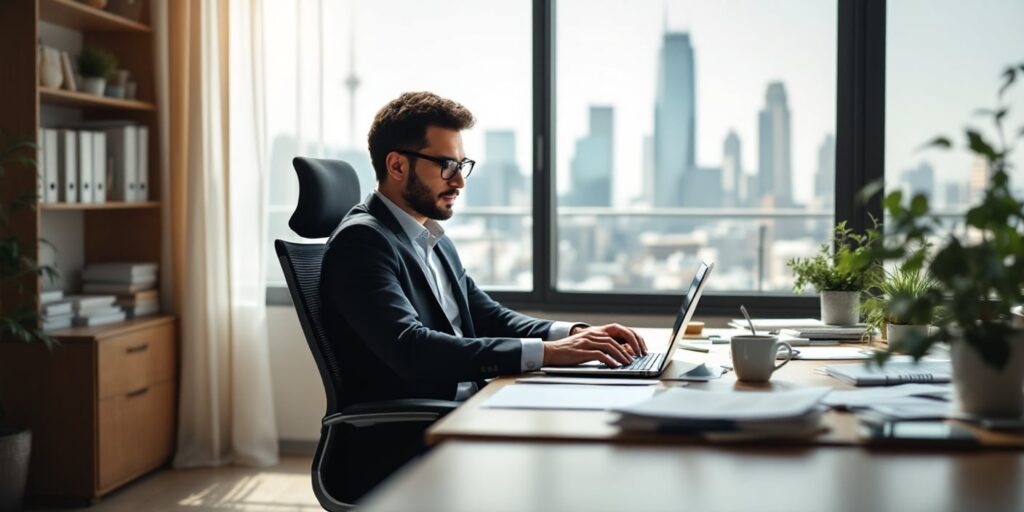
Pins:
x,y
331,65
935,92
692,130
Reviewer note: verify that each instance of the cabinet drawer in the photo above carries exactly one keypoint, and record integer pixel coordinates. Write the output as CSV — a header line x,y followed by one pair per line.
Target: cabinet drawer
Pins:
x,y
136,433
135,360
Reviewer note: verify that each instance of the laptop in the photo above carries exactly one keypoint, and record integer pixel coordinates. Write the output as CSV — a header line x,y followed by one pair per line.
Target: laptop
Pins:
x,y
652,364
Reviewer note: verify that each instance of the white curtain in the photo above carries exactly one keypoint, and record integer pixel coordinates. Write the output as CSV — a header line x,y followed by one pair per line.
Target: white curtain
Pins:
x,y
226,412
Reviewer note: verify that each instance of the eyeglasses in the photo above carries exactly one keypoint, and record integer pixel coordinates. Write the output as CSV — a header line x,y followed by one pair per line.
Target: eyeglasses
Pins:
x,y
448,166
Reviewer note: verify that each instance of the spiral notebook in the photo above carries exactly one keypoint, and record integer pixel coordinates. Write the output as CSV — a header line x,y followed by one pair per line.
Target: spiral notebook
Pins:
x,y
892,373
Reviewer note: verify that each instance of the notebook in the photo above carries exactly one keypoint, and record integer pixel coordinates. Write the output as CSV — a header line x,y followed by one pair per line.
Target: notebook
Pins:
x,y
892,373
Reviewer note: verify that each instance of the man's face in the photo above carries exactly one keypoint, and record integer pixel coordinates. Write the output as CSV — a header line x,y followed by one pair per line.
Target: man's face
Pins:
x,y
425,190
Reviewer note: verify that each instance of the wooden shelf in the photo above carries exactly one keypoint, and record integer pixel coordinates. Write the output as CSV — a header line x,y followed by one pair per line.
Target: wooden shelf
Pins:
x,y
90,334
99,206
75,15
49,95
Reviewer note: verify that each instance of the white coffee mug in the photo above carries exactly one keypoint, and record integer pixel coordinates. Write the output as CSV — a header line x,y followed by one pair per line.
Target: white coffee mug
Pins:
x,y
753,357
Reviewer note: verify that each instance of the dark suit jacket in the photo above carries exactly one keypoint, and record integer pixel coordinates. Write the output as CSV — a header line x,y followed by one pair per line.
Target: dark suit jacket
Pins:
x,y
392,337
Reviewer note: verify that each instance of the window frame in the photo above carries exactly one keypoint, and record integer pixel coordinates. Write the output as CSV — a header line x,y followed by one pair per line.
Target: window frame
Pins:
x,y
860,139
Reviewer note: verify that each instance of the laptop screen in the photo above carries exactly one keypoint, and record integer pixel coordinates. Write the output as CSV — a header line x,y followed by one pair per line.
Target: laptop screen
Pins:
x,y
689,305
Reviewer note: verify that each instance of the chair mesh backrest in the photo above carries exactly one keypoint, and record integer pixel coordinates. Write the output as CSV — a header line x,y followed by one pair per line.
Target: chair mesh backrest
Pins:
x,y
301,264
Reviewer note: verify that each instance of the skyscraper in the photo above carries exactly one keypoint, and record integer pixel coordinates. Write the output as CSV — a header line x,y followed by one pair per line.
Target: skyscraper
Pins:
x,y
674,119
498,179
591,166
825,178
774,172
734,186
920,180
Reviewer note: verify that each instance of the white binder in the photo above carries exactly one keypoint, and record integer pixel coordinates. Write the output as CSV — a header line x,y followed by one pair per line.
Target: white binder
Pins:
x,y
51,177
99,167
41,167
67,168
122,144
142,168
84,166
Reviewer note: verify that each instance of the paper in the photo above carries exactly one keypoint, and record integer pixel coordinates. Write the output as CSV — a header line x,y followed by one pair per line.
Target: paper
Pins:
x,y
593,381
698,372
567,396
827,353
886,395
685,404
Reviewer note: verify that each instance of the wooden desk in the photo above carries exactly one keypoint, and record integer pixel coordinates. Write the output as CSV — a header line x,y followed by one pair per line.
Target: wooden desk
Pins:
x,y
471,422
592,477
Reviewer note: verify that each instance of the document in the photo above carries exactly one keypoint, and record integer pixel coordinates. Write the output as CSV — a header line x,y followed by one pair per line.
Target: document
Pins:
x,y
892,373
567,396
851,398
827,353
685,404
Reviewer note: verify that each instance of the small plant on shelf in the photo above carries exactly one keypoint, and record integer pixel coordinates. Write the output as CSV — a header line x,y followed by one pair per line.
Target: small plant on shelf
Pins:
x,y
96,66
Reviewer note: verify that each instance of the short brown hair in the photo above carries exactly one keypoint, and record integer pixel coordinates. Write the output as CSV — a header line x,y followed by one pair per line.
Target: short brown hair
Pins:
x,y
402,124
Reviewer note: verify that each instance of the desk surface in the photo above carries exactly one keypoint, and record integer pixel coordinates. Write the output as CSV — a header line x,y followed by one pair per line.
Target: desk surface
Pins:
x,y
472,422
496,476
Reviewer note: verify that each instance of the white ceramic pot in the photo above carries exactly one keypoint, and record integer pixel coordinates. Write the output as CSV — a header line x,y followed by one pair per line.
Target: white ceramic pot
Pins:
x,y
840,308
94,85
981,389
895,334
50,74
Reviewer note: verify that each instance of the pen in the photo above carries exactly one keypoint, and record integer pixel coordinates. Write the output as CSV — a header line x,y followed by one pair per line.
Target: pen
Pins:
x,y
695,348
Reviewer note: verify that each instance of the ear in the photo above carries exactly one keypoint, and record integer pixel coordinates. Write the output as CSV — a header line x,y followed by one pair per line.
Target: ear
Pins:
x,y
397,166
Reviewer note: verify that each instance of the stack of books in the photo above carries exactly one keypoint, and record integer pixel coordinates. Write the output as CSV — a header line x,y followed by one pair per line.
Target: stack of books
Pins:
x,y
133,283
56,312
93,310
729,415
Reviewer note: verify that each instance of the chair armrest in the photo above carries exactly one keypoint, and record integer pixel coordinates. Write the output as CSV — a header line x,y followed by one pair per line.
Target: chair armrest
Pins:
x,y
392,411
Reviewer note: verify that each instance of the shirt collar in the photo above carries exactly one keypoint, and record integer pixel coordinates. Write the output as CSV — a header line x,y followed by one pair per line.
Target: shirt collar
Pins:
x,y
430,232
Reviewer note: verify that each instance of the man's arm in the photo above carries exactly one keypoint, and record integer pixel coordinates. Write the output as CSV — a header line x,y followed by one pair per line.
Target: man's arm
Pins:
x,y
361,281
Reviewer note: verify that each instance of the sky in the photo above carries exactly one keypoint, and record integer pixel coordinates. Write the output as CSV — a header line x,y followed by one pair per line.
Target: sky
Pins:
x,y
944,60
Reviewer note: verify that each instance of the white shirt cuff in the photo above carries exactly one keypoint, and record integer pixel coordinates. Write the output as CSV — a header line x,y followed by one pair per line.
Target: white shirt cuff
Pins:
x,y
533,354
559,330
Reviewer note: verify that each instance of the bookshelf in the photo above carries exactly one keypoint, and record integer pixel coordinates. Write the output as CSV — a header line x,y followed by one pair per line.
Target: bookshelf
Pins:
x,y
101,406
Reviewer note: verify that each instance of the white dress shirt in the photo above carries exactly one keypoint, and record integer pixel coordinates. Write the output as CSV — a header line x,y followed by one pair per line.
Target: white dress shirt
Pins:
x,y
424,238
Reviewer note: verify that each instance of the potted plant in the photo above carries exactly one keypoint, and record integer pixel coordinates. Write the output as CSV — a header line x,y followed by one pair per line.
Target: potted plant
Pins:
x,y
978,275
838,277
95,66
890,306
17,324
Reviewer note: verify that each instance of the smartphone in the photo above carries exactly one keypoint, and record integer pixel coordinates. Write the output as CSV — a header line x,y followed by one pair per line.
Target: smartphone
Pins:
x,y
918,433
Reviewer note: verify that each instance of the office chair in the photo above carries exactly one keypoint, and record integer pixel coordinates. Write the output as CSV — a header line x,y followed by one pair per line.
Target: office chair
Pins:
x,y
363,443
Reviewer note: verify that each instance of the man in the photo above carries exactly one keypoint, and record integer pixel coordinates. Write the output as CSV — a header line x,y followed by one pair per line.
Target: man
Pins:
x,y
409,321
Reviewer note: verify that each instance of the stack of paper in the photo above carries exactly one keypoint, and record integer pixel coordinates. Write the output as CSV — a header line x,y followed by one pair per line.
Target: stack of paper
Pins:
x,y
828,332
774,325
92,310
56,313
765,413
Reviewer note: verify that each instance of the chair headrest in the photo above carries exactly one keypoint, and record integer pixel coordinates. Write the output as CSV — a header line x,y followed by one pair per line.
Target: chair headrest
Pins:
x,y
328,189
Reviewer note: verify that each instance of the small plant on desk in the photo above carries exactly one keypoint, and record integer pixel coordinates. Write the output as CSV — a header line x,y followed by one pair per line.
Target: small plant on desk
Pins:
x,y
839,272
893,307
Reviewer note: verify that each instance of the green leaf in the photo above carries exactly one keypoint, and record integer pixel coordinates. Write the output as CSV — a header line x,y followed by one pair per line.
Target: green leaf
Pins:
x,y
919,205
893,202
978,144
1008,77
871,190
938,142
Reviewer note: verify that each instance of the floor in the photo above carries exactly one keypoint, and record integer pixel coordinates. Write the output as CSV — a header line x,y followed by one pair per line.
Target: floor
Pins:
x,y
284,487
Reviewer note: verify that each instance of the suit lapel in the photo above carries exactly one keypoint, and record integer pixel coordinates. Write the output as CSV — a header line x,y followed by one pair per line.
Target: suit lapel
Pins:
x,y
377,208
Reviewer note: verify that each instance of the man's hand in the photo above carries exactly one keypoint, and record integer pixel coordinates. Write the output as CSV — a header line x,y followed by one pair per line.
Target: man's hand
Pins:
x,y
626,336
600,343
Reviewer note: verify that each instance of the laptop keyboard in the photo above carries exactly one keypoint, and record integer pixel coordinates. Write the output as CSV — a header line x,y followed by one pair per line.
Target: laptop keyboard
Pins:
x,y
650,361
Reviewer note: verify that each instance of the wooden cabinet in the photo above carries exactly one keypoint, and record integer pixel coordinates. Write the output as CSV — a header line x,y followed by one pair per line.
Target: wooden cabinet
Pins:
x,y
102,406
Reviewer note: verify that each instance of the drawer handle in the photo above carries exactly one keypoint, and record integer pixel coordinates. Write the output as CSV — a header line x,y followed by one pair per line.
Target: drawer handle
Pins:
x,y
136,349
138,392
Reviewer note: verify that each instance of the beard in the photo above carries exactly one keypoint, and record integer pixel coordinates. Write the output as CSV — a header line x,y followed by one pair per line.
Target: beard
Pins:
x,y
423,200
